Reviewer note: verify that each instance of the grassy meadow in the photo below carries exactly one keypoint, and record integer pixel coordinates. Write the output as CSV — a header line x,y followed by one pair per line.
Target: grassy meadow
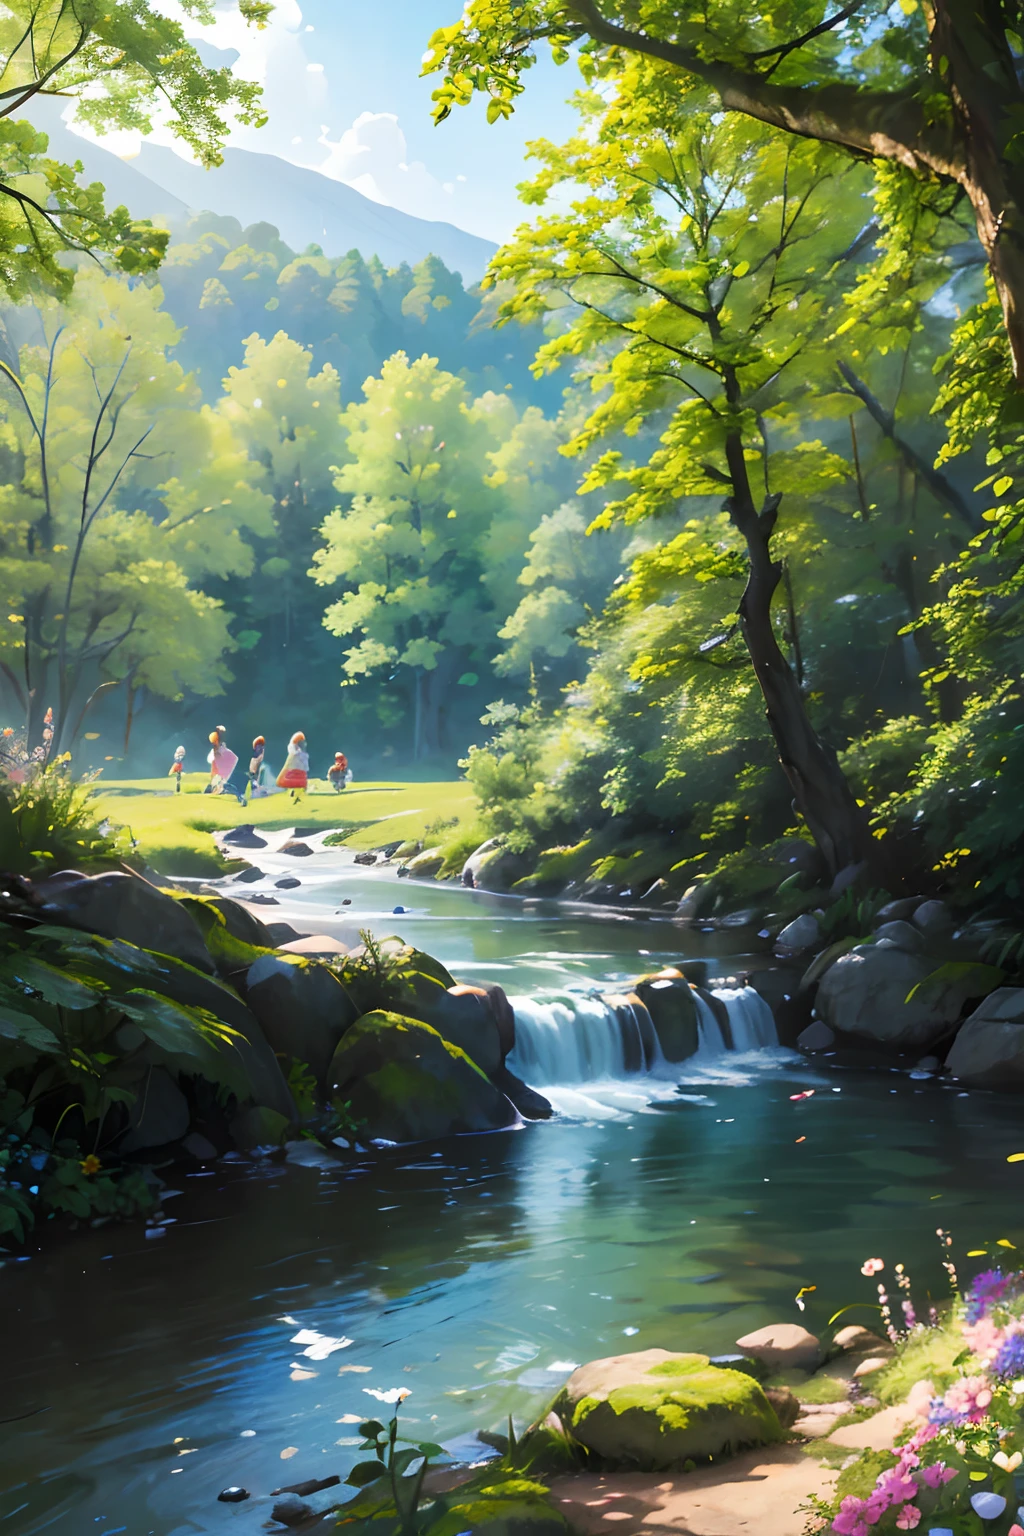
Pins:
x,y
173,832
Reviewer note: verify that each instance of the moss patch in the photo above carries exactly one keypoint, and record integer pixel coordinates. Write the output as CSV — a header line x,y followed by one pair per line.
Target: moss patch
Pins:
x,y
860,1479
926,1355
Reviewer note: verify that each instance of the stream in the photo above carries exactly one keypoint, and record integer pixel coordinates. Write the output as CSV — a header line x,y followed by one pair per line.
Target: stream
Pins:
x,y
669,1207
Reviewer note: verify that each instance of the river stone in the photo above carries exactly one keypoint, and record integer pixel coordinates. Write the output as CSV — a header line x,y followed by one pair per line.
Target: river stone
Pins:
x,y
159,1115
302,1007
785,1405
802,933
426,864
530,1104
501,1008
640,1043
856,1340
669,1000
472,864
989,1050
494,868
783,1347
248,876
655,1410
903,935
296,848
816,1037
865,994
122,906
901,910
404,1082
934,919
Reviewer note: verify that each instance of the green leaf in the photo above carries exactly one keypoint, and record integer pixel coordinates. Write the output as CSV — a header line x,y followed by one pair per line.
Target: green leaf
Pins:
x,y
365,1472
29,1031
54,986
980,979
403,1460
371,1429
428,1448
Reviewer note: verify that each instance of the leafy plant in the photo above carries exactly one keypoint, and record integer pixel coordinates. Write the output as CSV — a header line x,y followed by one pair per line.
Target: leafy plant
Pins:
x,y
852,914
397,1466
49,821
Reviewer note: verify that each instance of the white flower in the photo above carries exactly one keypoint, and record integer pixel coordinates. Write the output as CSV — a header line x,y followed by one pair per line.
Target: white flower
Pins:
x,y
392,1395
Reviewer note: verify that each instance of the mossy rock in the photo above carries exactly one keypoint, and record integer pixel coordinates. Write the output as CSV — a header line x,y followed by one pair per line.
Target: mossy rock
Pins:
x,y
303,1008
234,936
404,1082
654,1411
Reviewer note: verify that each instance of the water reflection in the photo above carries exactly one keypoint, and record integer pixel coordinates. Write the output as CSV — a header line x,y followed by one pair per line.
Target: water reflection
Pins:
x,y
476,1275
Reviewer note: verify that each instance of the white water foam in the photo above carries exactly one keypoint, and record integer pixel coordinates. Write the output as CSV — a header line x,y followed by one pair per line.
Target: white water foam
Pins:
x,y
594,1058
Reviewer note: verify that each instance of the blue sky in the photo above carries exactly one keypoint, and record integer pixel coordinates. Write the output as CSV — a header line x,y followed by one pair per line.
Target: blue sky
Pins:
x,y
342,85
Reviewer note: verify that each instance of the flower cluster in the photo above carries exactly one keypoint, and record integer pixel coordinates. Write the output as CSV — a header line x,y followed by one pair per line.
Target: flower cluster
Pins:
x,y
988,1290
965,1402
897,1490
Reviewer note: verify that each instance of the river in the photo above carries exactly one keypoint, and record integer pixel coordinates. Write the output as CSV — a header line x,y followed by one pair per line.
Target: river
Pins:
x,y
677,1210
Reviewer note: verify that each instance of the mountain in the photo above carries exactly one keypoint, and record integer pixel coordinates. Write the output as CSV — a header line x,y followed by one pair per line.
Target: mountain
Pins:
x,y
306,207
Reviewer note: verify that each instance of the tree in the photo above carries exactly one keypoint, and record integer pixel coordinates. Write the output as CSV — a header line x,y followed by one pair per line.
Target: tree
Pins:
x,y
118,63
432,514
567,576
937,88
704,265
121,493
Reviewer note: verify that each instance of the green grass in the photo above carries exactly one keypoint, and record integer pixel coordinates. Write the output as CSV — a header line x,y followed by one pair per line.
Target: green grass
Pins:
x,y
173,832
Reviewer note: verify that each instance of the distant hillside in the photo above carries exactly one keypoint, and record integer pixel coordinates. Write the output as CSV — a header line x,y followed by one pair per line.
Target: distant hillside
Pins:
x,y
306,207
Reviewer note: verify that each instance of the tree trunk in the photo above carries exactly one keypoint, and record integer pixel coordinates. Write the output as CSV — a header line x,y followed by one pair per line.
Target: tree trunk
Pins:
x,y
969,36
820,791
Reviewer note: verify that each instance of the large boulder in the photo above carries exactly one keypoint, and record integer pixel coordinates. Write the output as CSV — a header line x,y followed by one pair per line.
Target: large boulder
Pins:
x,y
865,993
654,1411
504,1014
123,906
530,1104
989,1050
802,933
426,864
669,1000
463,1016
302,1007
403,1082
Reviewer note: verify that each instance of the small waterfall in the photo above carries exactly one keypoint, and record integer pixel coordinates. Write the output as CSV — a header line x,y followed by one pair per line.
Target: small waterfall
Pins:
x,y
578,1039
573,1038
753,1025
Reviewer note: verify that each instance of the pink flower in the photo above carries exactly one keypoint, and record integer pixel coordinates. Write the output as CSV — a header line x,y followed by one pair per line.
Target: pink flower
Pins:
x,y
849,1521
896,1485
935,1476
876,1504
908,1517
983,1338
922,1436
968,1398
872,1267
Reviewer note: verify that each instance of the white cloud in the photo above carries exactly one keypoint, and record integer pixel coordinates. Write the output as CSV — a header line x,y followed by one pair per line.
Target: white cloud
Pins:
x,y
372,157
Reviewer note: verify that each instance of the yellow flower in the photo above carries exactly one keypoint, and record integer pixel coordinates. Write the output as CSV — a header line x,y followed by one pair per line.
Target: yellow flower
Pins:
x,y
90,1165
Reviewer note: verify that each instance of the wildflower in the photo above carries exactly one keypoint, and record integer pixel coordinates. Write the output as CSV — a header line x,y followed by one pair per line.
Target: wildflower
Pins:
x,y
872,1267
896,1485
391,1395
937,1474
984,1339
1008,1463
850,1519
90,1165
964,1403
908,1517
1009,1359
987,1289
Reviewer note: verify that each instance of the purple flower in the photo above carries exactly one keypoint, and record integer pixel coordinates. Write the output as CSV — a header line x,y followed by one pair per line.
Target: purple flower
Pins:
x,y
987,1289
1009,1362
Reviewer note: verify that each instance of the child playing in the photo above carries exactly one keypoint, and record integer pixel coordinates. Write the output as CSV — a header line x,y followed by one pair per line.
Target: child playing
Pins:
x,y
338,775
295,773
177,768
259,774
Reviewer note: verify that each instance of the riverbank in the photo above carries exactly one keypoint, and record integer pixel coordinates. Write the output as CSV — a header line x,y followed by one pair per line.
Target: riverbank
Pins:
x,y
173,833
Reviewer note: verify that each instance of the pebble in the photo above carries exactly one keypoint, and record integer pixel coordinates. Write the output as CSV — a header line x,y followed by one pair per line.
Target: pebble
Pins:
x,y
397,911
233,1496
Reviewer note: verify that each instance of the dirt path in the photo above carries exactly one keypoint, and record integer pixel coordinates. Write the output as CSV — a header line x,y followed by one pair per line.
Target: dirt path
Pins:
x,y
756,1494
